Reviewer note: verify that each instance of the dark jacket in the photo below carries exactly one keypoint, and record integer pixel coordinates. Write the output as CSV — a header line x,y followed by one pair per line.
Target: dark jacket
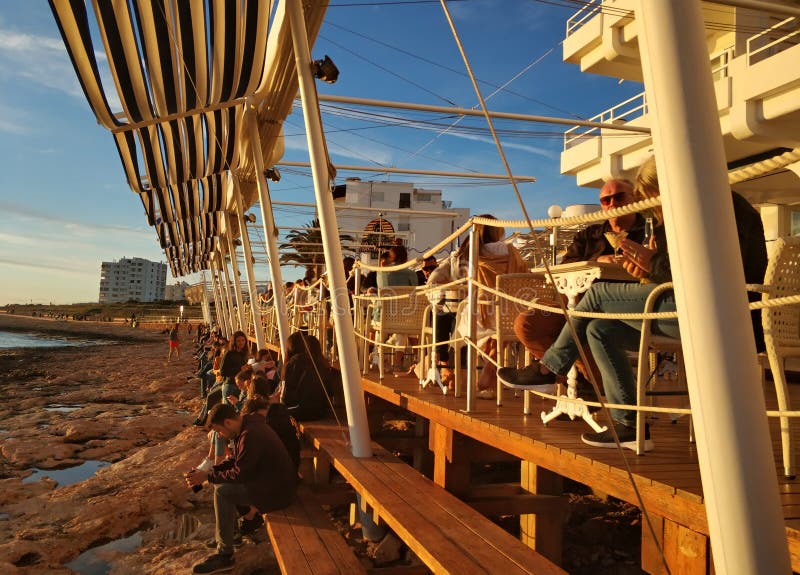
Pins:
x,y
304,394
262,464
591,243
232,363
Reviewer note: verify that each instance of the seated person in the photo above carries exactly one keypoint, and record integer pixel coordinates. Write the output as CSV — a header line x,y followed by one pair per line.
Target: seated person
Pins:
x,y
260,477
537,330
404,277
308,379
495,257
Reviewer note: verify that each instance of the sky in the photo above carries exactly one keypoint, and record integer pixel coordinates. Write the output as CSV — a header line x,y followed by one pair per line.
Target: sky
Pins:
x,y
65,206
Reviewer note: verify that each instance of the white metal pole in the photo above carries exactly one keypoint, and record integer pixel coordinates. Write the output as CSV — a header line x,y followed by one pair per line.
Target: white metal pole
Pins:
x,y
226,282
255,307
236,284
340,306
472,309
219,306
268,223
733,444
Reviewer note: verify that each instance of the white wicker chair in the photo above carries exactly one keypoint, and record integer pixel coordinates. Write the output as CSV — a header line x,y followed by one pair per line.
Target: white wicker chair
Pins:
x,y
403,316
782,332
525,286
649,345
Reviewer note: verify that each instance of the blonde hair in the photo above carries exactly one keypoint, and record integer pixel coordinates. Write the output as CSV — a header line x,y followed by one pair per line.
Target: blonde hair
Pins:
x,y
646,185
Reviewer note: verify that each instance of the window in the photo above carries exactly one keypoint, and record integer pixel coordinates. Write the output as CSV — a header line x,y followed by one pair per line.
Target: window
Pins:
x,y
405,200
424,197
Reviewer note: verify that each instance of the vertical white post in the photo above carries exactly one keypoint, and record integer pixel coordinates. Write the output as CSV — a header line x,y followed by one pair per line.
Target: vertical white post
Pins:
x,y
734,450
340,305
472,310
219,297
237,282
255,307
226,283
268,223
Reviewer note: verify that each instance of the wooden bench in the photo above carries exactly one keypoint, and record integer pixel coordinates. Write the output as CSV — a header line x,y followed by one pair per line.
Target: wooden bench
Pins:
x,y
446,533
305,540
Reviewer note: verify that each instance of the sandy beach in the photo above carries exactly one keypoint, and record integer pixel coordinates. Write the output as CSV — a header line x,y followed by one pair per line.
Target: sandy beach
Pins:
x,y
121,407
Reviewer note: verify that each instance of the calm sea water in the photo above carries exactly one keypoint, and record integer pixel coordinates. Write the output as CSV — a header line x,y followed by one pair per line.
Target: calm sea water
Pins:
x,y
9,339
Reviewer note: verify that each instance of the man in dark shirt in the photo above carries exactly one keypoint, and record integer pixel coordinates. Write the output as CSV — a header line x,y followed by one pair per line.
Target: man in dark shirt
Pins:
x,y
537,331
260,474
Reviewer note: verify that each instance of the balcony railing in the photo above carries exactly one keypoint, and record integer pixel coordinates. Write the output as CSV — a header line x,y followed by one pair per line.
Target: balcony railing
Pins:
x,y
773,40
623,112
583,15
636,106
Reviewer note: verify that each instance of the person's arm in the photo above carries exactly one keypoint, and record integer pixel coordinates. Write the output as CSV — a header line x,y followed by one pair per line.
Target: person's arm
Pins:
x,y
577,249
239,470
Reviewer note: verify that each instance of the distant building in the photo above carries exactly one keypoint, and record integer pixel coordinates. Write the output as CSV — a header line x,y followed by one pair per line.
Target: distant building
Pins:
x,y
419,217
176,292
135,279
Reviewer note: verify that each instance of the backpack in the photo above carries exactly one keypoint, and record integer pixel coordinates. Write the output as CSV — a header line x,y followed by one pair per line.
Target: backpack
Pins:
x,y
285,427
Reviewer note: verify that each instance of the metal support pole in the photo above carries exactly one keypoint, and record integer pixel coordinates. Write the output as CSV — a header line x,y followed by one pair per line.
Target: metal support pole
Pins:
x,y
219,300
340,306
226,283
740,489
472,310
268,223
236,284
255,307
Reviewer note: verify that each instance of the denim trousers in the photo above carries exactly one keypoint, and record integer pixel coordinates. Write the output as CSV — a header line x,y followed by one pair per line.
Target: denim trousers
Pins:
x,y
610,339
227,497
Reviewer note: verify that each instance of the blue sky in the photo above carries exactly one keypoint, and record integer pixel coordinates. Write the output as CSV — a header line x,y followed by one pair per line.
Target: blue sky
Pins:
x,y
64,203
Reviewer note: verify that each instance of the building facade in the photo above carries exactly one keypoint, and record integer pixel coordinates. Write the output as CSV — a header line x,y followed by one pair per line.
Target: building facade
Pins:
x,y
134,279
384,211
176,292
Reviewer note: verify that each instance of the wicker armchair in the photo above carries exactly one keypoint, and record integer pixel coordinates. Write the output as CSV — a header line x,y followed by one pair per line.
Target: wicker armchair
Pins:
x,y
782,332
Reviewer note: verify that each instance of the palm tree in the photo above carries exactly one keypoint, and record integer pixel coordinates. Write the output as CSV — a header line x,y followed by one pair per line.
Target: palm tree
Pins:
x,y
304,247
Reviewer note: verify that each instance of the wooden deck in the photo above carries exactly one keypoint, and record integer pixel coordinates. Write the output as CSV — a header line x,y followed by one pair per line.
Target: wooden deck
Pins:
x,y
668,477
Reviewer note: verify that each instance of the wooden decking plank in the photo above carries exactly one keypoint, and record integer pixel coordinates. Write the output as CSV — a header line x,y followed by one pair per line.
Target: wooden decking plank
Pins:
x,y
288,552
344,557
430,544
472,541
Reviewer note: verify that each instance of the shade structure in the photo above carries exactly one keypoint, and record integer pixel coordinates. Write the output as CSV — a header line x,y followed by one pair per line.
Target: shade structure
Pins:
x,y
186,73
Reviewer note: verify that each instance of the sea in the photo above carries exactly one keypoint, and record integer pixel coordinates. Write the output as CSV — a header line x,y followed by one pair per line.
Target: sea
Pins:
x,y
12,339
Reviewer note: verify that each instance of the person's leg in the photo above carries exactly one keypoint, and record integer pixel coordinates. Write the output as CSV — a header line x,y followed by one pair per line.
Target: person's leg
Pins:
x,y
227,496
609,340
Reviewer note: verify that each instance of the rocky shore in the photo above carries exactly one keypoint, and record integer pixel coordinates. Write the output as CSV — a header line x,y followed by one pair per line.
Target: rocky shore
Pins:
x,y
119,408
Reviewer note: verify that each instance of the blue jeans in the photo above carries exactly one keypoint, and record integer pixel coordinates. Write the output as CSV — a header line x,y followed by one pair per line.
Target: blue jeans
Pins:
x,y
610,339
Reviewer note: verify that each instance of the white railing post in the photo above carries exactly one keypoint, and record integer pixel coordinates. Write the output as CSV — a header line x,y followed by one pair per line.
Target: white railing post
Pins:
x,y
217,298
340,306
226,283
237,282
255,304
268,225
472,310
734,449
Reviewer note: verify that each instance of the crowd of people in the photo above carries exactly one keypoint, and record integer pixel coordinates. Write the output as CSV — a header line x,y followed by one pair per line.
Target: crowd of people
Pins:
x,y
251,403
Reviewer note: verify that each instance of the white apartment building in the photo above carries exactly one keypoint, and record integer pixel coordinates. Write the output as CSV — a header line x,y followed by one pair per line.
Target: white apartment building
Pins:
x,y
383,211
176,292
135,279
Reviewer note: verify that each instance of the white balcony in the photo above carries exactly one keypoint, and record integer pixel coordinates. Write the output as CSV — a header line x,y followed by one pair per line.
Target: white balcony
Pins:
x,y
603,37
758,99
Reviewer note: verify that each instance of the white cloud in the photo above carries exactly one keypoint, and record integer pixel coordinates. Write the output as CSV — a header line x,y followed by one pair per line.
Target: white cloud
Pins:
x,y
43,60
75,226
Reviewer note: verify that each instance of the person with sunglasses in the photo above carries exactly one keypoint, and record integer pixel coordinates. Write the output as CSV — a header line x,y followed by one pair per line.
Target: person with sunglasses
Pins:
x,y
537,330
591,244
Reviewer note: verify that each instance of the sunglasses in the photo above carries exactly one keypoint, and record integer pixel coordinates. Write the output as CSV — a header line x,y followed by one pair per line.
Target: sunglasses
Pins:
x,y
429,268
616,198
